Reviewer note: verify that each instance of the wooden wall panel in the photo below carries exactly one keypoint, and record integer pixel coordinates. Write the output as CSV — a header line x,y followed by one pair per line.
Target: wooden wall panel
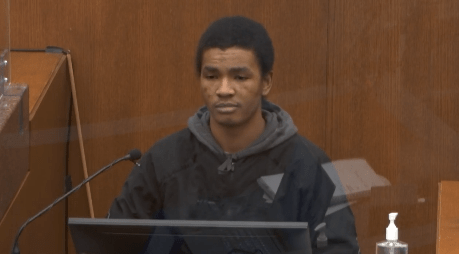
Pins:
x,y
394,101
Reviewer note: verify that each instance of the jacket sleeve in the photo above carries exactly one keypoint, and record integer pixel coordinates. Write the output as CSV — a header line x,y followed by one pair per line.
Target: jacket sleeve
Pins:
x,y
316,200
304,193
341,234
340,229
140,197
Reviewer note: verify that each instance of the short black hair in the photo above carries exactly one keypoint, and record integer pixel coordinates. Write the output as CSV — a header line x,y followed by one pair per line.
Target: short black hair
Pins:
x,y
238,31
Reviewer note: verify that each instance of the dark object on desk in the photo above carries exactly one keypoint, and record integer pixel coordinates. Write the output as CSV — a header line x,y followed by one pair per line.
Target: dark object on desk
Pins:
x,y
107,236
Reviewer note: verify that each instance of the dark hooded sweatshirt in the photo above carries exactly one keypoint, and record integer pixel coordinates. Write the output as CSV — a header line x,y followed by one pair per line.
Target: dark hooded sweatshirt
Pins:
x,y
188,176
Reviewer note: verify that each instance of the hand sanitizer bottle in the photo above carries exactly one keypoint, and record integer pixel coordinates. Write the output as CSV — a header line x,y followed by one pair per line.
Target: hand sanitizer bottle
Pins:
x,y
392,245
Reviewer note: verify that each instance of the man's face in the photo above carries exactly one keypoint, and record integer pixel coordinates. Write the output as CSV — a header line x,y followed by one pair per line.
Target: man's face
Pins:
x,y
232,85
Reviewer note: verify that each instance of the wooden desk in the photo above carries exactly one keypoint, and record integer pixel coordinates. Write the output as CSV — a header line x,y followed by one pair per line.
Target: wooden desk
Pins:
x,y
39,177
448,218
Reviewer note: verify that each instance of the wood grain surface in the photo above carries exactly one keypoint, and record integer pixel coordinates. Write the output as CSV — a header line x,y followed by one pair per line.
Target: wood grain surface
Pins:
x,y
35,70
448,217
44,182
372,79
392,94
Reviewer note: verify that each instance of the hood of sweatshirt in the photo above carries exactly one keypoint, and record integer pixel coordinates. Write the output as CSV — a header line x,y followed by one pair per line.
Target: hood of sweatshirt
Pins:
x,y
279,127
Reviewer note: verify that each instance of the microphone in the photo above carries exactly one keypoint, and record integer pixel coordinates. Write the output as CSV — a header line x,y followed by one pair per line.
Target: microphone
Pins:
x,y
133,155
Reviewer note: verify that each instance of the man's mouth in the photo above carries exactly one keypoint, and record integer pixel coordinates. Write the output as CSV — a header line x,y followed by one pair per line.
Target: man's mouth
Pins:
x,y
226,107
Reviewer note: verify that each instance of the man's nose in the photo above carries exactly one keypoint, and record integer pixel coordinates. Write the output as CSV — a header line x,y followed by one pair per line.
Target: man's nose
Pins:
x,y
225,88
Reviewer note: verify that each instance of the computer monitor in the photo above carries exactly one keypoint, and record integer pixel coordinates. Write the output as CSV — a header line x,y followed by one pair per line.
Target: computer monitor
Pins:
x,y
109,236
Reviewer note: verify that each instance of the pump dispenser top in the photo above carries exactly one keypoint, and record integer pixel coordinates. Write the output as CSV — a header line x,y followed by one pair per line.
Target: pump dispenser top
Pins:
x,y
392,230
392,245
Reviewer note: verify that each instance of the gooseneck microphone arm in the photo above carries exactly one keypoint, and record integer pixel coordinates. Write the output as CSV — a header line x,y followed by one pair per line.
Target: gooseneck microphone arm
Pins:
x,y
133,156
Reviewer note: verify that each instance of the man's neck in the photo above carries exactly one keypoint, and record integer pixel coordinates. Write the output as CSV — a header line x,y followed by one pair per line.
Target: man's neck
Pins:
x,y
233,139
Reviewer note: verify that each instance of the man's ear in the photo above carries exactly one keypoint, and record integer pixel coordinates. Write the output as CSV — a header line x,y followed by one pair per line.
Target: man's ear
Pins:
x,y
267,83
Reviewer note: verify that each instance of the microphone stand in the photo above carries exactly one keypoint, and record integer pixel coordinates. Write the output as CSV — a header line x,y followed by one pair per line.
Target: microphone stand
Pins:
x,y
15,249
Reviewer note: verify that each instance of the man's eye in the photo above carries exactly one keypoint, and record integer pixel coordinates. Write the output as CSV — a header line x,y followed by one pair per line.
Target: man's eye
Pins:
x,y
211,77
241,78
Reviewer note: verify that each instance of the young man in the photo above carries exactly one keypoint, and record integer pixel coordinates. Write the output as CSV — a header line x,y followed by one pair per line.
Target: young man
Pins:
x,y
209,170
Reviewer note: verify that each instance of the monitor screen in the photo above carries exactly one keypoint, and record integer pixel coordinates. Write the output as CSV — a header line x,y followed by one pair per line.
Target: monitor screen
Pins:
x,y
104,236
